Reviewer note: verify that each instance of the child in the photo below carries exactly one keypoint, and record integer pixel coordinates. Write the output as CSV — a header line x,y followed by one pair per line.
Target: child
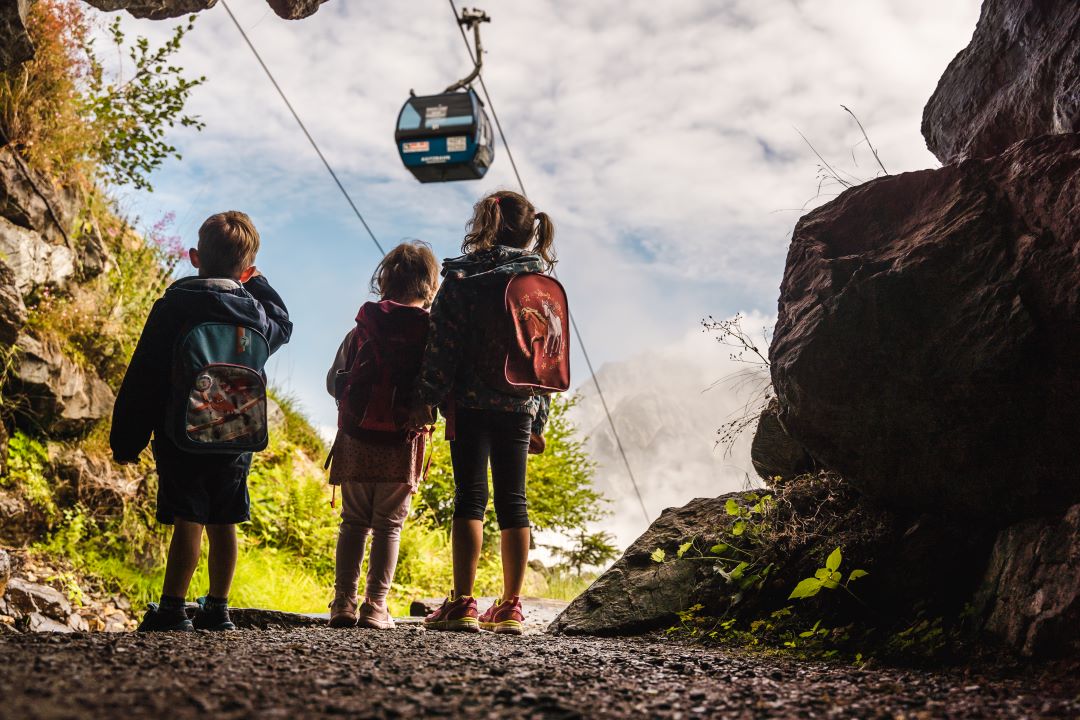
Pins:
x,y
198,490
507,237
376,456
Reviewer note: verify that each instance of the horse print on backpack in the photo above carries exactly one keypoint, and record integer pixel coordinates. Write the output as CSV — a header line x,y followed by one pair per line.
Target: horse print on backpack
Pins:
x,y
219,390
538,361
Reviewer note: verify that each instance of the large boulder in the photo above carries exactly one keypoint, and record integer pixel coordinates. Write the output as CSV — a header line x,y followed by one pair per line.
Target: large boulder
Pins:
x,y
26,598
929,332
15,44
295,9
1031,595
161,9
638,594
154,9
33,261
53,393
1018,78
776,456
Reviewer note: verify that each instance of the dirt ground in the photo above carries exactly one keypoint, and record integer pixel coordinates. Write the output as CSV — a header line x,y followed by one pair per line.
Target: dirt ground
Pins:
x,y
409,672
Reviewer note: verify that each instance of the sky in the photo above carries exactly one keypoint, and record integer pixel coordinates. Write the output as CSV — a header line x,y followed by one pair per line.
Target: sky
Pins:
x,y
662,138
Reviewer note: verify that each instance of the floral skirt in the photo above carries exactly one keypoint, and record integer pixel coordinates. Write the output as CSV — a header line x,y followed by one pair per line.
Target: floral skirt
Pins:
x,y
356,460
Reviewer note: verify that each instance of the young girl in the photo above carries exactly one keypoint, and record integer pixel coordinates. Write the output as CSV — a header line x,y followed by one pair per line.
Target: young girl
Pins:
x,y
506,237
376,458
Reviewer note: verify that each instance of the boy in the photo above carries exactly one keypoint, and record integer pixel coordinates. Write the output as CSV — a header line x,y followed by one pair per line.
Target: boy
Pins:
x,y
196,490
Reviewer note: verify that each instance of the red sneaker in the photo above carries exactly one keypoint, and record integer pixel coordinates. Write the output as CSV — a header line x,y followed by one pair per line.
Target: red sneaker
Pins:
x,y
457,614
504,617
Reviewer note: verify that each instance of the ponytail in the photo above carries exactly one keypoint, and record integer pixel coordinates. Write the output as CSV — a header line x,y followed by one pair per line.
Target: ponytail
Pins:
x,y
545,239
508,218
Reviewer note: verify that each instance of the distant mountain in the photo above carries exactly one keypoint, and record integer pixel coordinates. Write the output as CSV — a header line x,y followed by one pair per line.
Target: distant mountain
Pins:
x,y
668,406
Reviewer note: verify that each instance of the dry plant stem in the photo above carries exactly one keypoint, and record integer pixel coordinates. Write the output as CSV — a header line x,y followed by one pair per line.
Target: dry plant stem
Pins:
x,y
866,137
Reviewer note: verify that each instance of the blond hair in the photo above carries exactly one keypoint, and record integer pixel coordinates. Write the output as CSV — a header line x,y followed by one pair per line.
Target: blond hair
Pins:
x,y
228,244
408,272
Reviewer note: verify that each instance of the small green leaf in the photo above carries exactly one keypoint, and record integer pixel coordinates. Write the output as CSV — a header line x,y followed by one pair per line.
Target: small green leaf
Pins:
x,y
684,547
738,528
731,507
822,573
834,559
739,570
806,588
658,555
856,574
718,548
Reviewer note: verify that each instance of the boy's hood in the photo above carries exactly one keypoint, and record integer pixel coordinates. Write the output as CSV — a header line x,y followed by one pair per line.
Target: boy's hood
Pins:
x,y
493,261
216,300
387,314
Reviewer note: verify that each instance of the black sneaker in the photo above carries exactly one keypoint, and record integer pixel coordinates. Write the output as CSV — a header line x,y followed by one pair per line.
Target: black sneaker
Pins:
x,y
157,620
212,617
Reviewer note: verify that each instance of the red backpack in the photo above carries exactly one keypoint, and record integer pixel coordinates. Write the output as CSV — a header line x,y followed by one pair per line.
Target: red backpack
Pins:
x,y
384,361
537,317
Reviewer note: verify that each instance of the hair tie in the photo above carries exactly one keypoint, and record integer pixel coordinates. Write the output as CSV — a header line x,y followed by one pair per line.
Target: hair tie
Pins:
x,y
496,201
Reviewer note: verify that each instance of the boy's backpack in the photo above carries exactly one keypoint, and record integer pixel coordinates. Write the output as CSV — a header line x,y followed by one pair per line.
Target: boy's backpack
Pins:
x,y
382,367
218,402
536,324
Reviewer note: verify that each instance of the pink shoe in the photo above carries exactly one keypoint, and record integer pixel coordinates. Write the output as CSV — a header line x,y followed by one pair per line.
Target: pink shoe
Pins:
x,y
456,613
343,612
504,617
372,617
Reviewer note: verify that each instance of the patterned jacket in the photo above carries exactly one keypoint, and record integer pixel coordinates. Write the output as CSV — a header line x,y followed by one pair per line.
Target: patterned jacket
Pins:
x,y
465,333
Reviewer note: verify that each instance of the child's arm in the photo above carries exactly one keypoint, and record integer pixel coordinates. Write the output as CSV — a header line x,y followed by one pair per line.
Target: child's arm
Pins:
x,y
278,325
144,392
443,350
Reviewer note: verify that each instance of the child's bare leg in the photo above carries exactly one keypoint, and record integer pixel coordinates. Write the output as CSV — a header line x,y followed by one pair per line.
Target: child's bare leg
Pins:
x,y
183,558
222,559
467,538
514,548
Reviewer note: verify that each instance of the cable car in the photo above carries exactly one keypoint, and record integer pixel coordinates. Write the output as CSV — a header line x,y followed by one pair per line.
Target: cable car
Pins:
x,y
448,136
445,137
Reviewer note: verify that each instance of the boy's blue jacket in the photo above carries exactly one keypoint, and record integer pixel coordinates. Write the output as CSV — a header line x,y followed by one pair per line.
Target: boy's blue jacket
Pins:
x,y
144,394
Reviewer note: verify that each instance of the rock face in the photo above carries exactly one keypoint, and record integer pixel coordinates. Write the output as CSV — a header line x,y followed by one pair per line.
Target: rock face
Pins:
x,y
29,200
59,396
154,9
28,598
638,594
1018,78
929,330
95,484
295,9
161,9
33,261
12,307
5,571
773,452
1031,594
15,45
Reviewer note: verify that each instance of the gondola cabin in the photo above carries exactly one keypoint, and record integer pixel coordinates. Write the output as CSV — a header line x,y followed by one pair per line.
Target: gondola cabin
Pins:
x,y
445,137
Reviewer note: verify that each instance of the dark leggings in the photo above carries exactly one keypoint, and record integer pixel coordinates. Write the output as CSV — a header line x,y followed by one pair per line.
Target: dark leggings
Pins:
x,y
502,437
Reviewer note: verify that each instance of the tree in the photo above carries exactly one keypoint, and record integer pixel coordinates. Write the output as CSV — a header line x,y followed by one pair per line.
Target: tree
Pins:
x,y
589,550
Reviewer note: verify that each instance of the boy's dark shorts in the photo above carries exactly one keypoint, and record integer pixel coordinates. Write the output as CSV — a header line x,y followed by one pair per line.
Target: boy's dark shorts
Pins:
x,y
206,489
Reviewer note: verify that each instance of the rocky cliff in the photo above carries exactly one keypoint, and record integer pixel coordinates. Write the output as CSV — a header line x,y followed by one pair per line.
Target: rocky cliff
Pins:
x,y
924,354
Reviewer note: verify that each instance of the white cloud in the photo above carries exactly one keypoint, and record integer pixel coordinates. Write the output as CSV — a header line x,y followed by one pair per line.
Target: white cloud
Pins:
x,y
659,136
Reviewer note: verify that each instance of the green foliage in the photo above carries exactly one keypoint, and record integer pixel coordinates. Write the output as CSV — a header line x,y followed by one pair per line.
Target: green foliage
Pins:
x,y
68,116
27,466
826,578
297,428
132,115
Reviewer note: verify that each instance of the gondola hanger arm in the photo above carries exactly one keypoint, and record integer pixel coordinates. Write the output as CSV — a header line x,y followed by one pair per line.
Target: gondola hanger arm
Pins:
x,y
471,18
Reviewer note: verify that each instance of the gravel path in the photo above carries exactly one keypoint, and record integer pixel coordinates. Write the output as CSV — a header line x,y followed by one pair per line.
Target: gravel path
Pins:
x,y
409,672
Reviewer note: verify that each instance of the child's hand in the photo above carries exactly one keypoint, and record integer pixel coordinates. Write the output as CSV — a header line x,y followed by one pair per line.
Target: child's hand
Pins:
x,y
537,443
421,416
